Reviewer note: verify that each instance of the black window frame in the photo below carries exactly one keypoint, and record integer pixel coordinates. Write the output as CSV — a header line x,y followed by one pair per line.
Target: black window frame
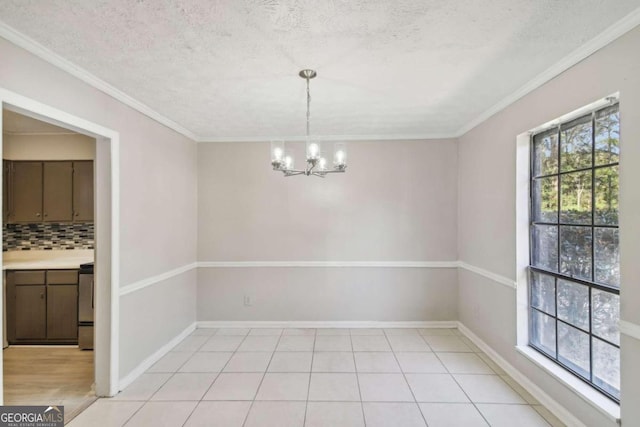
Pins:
x,y
592,225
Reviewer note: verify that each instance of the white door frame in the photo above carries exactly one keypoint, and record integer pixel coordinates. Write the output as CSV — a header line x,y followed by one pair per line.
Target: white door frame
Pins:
x,y
107,221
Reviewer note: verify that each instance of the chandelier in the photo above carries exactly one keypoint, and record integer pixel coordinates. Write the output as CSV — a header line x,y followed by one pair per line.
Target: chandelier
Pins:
x,y
283,161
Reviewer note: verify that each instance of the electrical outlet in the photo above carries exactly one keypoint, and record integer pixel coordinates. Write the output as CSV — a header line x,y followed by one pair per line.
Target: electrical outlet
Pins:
x,y
247,301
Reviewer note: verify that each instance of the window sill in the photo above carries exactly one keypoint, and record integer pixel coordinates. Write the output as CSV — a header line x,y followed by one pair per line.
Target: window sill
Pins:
x,y
594,398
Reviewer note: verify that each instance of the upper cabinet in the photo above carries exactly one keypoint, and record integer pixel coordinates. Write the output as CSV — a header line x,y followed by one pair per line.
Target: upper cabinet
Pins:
x,y
25,192
83,191
49,191
57,194
6,172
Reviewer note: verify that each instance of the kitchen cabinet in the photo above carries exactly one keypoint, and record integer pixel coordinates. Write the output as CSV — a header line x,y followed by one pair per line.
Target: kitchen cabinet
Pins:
x,y
48,191
30,312
57,191
6,173
83,191
42,306
26,192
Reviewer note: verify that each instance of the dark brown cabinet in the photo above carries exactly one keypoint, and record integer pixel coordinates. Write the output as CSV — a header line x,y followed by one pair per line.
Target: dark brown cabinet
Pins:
x,y
48,191
31,312
62,312
83,191
42,307
26,192
57,191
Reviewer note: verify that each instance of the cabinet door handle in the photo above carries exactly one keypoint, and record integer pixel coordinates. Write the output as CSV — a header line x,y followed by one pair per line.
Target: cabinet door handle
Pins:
x,y
41,296
38,214
77,214
46,214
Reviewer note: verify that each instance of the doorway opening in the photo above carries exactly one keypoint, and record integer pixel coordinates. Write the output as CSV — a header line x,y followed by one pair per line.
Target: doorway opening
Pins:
x,y
48,258
47,322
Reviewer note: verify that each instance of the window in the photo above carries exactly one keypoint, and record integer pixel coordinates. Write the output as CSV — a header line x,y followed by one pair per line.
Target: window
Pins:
x,y
574,273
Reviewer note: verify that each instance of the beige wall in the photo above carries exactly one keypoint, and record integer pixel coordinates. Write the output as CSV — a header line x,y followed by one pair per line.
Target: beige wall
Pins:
x,y
397,202
486,210
48,147
157,199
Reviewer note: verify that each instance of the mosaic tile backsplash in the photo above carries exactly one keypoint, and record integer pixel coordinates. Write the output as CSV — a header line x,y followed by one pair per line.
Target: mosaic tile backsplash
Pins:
x,y
25,237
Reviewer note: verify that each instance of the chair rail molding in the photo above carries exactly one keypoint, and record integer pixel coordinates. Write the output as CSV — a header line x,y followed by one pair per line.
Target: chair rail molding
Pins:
x,y
630,329
332,264
149,281
488,274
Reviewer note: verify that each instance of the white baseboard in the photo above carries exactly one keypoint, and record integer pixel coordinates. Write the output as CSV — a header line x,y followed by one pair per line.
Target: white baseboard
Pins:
x,y
558,410
325,324
149,361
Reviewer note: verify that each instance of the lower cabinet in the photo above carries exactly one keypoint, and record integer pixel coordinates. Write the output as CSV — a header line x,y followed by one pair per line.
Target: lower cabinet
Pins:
x,y
31,312
62,312
42,307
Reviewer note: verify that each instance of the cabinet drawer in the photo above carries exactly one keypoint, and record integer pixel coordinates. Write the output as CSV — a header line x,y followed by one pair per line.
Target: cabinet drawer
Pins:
x,y
35,277
62,277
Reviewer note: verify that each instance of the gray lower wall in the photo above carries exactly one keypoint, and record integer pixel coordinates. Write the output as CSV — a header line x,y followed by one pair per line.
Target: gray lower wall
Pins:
x,y
497,328
327,294
153,316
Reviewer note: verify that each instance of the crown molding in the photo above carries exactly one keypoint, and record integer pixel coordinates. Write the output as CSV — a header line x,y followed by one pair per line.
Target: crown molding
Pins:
x,y
53,58
613,32
330,138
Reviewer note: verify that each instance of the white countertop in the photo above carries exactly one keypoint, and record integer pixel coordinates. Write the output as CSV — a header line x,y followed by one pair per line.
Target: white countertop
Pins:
x,y
46,260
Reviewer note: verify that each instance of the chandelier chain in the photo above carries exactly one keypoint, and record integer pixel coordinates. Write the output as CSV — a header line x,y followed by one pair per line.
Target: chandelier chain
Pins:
x,y
308,107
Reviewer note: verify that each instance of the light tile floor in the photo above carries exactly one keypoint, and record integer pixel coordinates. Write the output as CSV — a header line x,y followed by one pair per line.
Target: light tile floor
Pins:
x,y
329,377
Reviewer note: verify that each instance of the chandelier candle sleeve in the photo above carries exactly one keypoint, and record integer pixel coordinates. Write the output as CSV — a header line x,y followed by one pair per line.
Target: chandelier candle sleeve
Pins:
x,y
313,150
322,164
288,163
277,154
340,155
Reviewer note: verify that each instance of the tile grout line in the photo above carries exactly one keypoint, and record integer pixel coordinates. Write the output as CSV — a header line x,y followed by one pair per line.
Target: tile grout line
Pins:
x,y
214,380
405,376
355,367
266,369
306,405
462,389
471,347
144,402
161,385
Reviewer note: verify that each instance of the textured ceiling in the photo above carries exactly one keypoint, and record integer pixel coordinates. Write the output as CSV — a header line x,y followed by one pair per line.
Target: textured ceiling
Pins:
x,y
227,69
17,123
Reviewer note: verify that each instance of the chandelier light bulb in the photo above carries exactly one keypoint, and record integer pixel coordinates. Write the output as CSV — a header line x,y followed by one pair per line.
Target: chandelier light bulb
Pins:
x,y
277,153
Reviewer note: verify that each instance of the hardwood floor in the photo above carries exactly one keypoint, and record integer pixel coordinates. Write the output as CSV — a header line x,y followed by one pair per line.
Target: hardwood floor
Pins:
x,y
46,375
